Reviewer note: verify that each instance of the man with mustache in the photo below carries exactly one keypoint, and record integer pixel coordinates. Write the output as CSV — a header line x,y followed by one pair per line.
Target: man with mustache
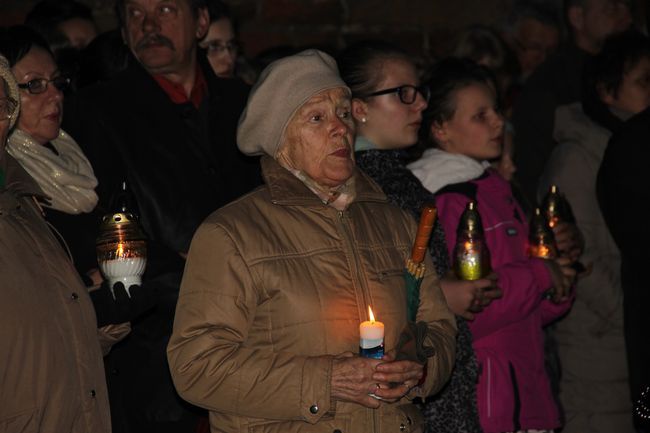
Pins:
x,y
165,126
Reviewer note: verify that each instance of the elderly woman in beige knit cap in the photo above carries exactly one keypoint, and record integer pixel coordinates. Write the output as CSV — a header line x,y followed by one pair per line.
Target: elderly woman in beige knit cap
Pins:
x,y
52,376
266,333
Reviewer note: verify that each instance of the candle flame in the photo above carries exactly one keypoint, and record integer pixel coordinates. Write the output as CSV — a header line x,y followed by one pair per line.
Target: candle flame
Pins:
x,y
120,250
372,316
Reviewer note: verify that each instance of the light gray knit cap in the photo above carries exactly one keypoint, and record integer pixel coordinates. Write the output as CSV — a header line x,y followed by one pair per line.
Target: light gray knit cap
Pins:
x,y
282,88
12,85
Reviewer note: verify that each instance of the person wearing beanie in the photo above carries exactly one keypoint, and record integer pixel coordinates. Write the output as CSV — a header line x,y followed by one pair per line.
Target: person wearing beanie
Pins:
x,y
50,357
277,283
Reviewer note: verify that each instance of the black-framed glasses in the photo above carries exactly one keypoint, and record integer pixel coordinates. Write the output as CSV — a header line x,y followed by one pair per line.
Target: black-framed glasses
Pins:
x,y
39,85
407,93
7,107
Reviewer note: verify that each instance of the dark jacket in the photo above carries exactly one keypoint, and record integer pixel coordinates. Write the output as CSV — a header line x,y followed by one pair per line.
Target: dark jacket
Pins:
x,y
556,82
51,373
180,164
454,408
623,192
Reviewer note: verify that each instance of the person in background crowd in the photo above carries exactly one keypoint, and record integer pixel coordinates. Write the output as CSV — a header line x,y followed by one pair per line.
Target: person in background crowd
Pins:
x,y
165,125
463,124
387,104
221,46
63,23
50,357
484,46
558,82
533,33
219,42
622,192
274,315
594,395
68,27
104,58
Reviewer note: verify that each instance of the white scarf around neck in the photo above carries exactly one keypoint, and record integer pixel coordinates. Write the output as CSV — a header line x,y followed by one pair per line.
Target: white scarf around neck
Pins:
x,y
437,169
67,178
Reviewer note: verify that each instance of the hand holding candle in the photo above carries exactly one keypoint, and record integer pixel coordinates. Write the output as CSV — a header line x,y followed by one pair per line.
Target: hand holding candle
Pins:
x,y
371,342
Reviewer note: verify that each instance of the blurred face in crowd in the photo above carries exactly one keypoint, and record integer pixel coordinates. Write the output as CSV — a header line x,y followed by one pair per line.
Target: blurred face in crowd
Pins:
x,y
319,139
162,33
633,94
476,128
78,31
221,47
534,41
391,122
41,114
597,20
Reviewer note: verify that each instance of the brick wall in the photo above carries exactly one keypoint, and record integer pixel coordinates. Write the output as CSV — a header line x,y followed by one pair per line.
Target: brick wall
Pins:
x,y
423,27
420,26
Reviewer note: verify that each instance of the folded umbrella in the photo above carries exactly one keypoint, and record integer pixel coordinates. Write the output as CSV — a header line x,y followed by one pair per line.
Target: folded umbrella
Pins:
x,y
414,271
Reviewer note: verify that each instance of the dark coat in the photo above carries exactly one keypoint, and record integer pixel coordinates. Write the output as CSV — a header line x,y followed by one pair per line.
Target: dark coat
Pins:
x,y
623,194
180,164
556,82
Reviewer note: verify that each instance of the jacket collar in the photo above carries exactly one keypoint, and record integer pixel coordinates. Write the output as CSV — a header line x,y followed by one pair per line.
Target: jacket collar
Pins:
x,y
288,190
17,180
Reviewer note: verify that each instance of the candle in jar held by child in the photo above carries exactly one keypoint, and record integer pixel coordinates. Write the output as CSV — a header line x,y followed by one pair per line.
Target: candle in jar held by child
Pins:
x,y
371,342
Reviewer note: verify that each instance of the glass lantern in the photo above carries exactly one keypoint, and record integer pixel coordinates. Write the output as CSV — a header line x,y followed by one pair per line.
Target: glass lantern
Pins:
x,y
121,249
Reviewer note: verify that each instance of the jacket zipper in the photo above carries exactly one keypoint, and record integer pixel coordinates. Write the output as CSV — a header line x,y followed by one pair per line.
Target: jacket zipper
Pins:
x,y
354,262
360,281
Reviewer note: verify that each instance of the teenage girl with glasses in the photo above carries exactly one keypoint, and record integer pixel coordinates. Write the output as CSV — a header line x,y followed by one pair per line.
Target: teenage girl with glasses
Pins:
x,y
387,105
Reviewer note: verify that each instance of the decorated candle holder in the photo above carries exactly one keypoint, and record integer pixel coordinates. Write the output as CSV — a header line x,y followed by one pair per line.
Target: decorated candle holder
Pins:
x,y
541,242
121,250
471,255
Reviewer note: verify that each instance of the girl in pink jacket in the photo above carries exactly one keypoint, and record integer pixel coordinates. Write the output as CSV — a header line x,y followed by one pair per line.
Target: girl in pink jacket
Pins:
x,y
466,128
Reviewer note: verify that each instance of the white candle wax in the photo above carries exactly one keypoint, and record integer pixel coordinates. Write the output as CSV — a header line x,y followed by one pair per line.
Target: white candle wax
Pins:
x,y
371,333
371,341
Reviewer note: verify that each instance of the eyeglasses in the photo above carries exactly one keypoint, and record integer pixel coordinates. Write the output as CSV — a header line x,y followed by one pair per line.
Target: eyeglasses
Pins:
x,y
39,85
7,108
407,93
219,48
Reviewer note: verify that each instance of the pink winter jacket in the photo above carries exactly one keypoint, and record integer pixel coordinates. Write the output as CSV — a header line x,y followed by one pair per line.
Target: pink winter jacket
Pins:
x,y
513,390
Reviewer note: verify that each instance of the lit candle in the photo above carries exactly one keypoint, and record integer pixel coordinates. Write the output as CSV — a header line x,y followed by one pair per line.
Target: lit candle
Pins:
x,y
371,342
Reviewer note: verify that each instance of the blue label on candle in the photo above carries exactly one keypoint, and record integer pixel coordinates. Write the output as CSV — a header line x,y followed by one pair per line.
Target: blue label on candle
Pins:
x,y
376,352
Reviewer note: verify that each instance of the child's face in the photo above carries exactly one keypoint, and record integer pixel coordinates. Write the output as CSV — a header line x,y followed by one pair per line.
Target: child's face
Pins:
x,y
476,129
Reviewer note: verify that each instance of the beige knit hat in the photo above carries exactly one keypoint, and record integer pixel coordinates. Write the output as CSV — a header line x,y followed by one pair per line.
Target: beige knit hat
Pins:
x,y
282,88
8,76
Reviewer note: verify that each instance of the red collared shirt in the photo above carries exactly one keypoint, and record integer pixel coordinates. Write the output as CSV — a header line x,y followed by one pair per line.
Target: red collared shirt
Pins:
x,y
176,92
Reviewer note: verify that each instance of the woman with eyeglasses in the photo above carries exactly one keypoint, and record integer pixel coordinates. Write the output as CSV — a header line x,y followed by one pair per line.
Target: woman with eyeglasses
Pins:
x,y
387,105
46,152
59,166
52,376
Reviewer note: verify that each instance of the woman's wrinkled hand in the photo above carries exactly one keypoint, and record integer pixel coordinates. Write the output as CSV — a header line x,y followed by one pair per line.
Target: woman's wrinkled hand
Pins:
x,y
352,379
468,297
395,379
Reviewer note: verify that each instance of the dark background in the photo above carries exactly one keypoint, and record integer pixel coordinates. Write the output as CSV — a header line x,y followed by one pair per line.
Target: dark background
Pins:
x,y
426,28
